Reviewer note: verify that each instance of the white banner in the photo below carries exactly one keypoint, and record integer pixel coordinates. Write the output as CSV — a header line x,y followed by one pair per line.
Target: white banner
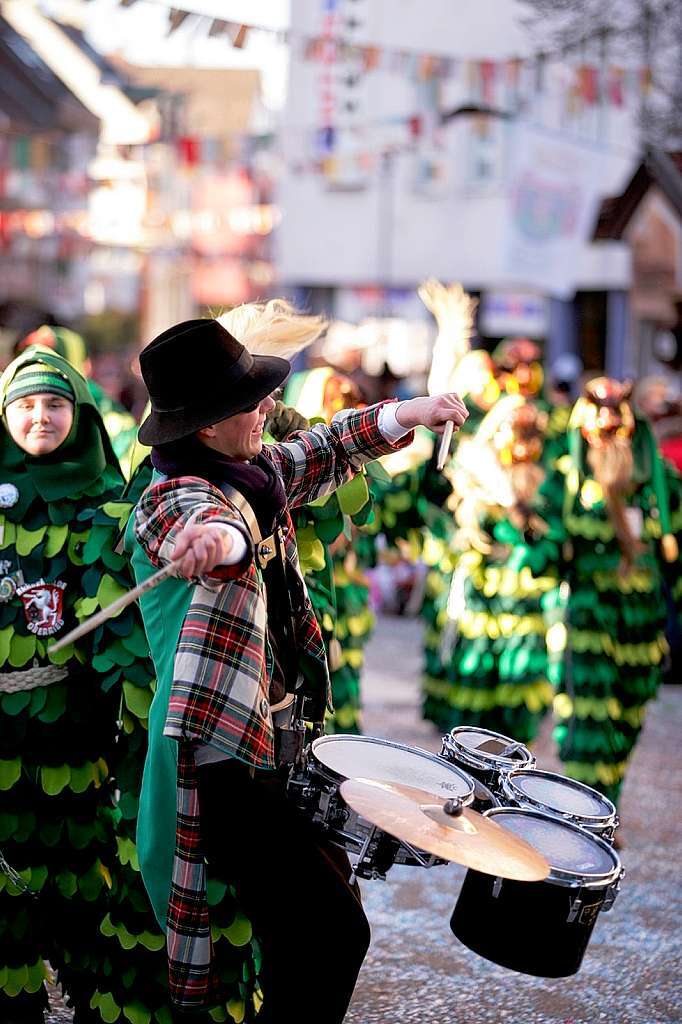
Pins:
x,y
555,187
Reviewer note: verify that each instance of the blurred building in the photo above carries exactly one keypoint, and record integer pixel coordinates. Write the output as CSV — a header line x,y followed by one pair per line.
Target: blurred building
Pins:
x,y
446,146
209,214
128,195
47,137
647,216
69,211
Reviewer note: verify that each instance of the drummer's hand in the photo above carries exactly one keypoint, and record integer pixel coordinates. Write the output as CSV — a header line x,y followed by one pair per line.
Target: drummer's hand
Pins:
x,y
433,412
201,547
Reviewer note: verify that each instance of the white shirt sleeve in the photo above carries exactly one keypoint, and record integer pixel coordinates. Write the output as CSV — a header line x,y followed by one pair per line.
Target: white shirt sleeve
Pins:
x,y
388,422
238,549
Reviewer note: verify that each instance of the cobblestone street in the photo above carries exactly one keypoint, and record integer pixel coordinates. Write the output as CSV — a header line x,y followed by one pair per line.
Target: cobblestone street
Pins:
x,y
416,971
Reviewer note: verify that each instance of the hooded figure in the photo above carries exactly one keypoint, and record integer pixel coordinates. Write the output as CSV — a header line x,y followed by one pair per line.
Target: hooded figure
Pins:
x,y
613,506
58,713
493,638
119,423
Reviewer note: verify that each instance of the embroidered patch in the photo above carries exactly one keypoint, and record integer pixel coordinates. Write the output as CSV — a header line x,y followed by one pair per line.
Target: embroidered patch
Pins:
x,y
43,603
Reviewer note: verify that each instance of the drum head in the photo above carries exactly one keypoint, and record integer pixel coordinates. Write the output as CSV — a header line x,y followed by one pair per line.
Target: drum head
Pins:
x,y
568,848
560,794
362,757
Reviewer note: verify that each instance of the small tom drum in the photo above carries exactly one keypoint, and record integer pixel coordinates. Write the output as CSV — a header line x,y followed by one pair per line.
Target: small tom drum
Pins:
x,y
563,797
333,759
488,756
557,915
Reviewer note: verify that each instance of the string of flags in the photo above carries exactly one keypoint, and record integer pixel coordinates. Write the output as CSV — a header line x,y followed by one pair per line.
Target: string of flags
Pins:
x,y
593,83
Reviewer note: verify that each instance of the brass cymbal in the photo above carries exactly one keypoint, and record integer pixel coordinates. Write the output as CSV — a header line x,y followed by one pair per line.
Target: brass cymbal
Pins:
x,y
419,818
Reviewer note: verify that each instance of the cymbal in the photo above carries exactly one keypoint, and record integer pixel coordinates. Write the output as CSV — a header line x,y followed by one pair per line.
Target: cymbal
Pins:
x,y
419,818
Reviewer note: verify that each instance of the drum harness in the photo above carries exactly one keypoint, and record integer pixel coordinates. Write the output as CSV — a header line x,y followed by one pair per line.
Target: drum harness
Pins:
x,y
289,714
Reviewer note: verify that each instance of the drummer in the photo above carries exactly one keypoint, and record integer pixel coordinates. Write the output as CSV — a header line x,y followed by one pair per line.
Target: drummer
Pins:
x,y
223,662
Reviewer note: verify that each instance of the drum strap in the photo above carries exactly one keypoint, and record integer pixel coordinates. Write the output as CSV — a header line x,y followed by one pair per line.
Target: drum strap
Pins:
x,y
265,549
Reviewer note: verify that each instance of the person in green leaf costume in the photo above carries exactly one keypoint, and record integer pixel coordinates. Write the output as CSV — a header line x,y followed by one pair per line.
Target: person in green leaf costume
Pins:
x,y
58,712
493,642
613,506
413,512
338,588
119,423
519,371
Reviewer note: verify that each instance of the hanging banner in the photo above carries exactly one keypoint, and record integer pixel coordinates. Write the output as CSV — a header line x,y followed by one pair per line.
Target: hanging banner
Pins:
x,y
553,198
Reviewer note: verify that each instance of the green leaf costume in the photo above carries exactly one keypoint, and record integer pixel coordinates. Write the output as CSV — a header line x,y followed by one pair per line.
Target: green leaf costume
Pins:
x,y
607,655
57,712
327,538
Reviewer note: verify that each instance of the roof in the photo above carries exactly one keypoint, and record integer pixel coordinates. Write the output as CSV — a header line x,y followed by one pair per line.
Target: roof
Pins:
x,y
111,75
32,97
656,168
220,102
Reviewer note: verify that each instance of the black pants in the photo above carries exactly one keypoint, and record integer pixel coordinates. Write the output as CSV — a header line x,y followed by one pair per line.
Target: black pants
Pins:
x,y
293,887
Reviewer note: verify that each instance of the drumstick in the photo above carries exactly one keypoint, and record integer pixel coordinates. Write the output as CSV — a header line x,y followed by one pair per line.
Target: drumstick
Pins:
x,y
444,447
116,606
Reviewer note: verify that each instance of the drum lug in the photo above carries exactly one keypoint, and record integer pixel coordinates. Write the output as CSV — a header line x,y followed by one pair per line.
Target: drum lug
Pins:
x,y
611,893
576,906
497,886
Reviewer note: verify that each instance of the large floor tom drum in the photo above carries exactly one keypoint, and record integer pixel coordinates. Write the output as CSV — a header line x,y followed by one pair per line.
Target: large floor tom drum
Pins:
x,y
540,928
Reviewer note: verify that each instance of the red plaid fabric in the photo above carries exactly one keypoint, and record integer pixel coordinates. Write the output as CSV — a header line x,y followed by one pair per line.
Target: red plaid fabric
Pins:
x,y
220,683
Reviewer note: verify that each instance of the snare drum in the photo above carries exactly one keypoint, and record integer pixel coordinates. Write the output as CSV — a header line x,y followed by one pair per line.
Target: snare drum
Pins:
x,y
333,759
566,798
540,928
488,756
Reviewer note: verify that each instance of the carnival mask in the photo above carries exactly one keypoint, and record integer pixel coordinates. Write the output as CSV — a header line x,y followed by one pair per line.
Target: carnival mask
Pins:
x,y
604,412
519,367
519,438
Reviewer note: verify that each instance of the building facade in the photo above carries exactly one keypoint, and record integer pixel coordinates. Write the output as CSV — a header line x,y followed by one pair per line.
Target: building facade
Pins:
x,y
446,147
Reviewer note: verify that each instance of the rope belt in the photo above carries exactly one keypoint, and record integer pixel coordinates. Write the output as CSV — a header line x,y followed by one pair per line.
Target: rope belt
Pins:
x,y
30,678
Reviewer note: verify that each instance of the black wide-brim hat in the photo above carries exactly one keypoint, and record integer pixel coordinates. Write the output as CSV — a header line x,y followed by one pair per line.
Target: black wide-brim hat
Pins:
x,y
198,374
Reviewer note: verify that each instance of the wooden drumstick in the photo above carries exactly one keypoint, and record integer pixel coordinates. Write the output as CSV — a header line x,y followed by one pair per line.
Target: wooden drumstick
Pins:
x,y
116,606
444,448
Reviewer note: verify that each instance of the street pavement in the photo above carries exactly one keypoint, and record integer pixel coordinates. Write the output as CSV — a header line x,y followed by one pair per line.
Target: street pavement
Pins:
x,y
416,971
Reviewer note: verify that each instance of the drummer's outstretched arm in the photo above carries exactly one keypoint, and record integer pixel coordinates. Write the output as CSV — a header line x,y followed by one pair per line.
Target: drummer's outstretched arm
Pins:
x,y
316,462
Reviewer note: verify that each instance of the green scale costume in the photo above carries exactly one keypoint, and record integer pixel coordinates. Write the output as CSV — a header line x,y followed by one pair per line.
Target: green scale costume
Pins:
x,y
440,557
493,636
606,657
489,669
339,593
58,712
338,588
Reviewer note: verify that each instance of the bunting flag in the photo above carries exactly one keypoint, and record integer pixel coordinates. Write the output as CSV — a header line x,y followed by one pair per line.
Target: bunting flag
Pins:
x,y
588,84
175,19
218,27
645,80
615,87
240,37
332,45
